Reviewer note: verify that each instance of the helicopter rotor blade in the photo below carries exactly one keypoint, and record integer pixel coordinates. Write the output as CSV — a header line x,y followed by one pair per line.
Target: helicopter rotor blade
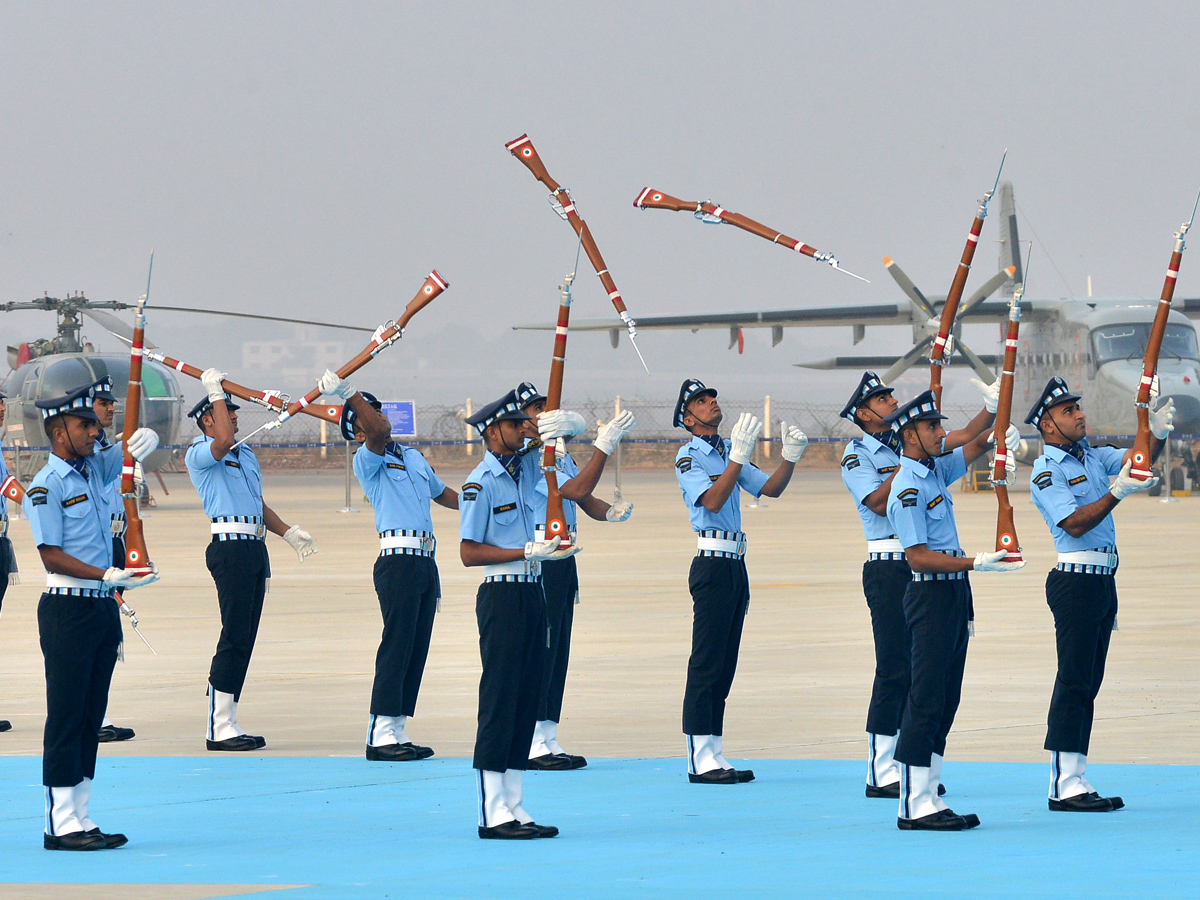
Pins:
x,y
221,312
112,324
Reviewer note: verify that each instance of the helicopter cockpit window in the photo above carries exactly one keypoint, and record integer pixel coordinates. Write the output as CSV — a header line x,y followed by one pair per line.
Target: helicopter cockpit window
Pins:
x,y
153,384
1113,342
65,375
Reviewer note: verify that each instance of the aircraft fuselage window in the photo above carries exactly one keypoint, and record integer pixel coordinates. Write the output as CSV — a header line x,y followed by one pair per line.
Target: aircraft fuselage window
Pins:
x,y
1113,342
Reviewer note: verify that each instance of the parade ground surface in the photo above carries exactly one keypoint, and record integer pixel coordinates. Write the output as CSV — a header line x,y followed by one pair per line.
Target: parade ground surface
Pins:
x,y
309,817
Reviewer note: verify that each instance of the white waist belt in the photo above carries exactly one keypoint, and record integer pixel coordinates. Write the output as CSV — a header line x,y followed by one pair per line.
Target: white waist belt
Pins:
x,y
408,542
67,581
3,526
722,546
516,567
258,530
1089,558
885,545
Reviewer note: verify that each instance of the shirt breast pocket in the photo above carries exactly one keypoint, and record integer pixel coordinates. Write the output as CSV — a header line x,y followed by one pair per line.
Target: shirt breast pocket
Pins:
x,y
940,508
506,514
77,511
1081,489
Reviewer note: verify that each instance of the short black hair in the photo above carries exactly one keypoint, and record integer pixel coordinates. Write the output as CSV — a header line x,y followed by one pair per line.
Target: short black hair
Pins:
x,y
51,423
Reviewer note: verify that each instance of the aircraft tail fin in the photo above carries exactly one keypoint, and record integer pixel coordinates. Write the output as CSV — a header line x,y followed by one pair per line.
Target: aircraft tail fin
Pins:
x,y
1010,242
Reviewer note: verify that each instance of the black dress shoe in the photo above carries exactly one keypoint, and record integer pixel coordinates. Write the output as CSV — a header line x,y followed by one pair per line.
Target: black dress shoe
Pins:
x,y
744,775
884,791
76,840
577,762
110,733
237,744
543,831
1092,802
943,820
111,841
552,762
406,752
5,725
509,831
971,819
715,776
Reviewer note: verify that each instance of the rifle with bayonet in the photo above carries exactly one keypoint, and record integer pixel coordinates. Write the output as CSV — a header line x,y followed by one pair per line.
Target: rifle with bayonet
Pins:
x,y
712,214
564,204
943,345
385,335
1141,443
1006,529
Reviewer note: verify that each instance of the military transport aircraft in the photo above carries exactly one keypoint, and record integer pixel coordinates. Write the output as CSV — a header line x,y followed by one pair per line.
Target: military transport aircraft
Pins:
x,y
1095,344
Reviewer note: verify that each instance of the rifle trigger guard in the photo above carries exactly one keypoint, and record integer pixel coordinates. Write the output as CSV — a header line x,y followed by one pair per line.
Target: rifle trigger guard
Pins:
x,y
557,206
708,218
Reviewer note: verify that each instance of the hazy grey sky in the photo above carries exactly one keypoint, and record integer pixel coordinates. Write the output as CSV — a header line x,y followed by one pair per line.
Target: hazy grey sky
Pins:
x,y
318,159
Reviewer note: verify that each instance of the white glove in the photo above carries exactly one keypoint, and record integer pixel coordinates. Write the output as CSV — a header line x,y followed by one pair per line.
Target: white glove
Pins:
x,y
744,437
558,423
610,434
1126,484
993,561
1163,418
619,511
127,580
142,443
212,380
795,442
332,385
1012,439
302,542
991,394
543,550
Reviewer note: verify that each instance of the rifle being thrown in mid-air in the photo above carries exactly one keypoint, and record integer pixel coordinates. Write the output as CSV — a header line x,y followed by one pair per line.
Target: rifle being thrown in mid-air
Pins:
x,y
564,205
1006,529
1141,442
712,214
385,335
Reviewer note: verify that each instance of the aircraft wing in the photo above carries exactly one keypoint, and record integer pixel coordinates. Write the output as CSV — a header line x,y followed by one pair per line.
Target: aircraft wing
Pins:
x,y
813,317
1189,306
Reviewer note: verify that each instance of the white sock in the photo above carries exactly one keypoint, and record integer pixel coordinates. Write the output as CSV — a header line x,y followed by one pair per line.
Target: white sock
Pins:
x,y
493,810
1066,775
107,723
550,731
539,746
718,755
882,768
222,716
935,780
512,795
82,794
917,792
381,730
401,735
701,754
61,817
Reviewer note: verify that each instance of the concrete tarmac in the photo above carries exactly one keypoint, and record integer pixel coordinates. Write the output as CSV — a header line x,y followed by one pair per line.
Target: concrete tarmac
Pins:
x,y
806,663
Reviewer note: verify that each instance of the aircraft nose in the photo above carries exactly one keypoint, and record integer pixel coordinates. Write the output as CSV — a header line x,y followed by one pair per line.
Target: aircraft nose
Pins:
x,y
1187,414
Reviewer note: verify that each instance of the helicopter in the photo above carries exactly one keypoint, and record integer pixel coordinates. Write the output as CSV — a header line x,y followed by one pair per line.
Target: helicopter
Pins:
x,y
50,367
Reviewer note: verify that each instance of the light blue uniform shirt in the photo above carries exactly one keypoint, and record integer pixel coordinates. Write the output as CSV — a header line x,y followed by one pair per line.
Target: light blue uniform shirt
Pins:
x,y
67,510
230,486
920,508
110,458
866,464
493,509
1060,484
3,501
566,471
697,466
400,484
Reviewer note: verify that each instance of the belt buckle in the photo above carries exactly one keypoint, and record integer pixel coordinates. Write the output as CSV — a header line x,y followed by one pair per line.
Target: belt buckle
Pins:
x,y
741,547
534,567
1112,560
428,543
260,532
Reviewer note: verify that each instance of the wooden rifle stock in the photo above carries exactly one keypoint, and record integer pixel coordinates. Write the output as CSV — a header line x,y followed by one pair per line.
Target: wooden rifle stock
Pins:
x,y
938,356
522,148
137,559
384,337
652,199
268,399
11,489
1140,468
1006,529
556,519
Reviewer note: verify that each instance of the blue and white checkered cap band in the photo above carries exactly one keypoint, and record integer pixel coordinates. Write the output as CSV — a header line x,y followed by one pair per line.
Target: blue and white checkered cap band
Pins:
x,y
1053,394
914,412
526,393
869,384
83,401
498,414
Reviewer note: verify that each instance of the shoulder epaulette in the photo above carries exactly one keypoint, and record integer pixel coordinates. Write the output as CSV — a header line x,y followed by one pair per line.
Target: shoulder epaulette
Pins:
x,y
684,464
908,497
851,461
1043,480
